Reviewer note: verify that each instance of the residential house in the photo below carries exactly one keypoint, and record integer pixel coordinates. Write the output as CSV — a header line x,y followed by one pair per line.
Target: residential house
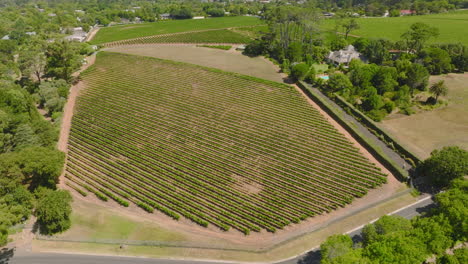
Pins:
x,y
78,34
406,12
164,16
344,56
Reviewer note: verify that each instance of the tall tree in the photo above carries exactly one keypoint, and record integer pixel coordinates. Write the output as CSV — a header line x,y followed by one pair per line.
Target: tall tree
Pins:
x,y
62,59
418,34
349,26
445,165
439,88
53,211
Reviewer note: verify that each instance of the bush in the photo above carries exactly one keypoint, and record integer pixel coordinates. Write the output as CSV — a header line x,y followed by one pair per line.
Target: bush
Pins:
x,y
299,71
255,48
389,106
377,115
445,165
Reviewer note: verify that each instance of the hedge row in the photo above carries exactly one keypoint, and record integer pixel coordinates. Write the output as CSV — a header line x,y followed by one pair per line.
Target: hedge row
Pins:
x,y
379,132
337,114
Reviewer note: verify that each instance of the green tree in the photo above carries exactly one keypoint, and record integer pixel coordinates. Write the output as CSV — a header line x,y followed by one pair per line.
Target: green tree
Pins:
x,y
435,232
445,165
62,59
3,236
338,43
53,212
336,249
384,226
339,82
418,34
453,204
53,95
417,77
41,166
349,26
377,51
397,247
439,88
299,71
436,60
294,52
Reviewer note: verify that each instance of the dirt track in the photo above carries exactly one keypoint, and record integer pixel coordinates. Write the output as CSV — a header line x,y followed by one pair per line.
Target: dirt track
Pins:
x,y
69,106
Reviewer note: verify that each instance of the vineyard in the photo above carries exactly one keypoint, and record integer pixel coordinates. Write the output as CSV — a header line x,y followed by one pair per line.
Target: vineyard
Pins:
x,y
123,32
216,148
207,36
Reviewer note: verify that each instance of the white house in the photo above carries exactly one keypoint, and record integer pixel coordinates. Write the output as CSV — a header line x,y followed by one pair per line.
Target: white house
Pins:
x,y
78,35
344,56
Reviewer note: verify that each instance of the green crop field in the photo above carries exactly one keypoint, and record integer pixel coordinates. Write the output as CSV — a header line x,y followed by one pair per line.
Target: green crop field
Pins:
x,y
217,148
209,36
453,26
115,33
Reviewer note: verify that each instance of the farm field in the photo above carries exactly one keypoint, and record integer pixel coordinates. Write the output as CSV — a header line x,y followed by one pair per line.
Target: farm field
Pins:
x,y
208,36
452,26
219,149
114,33
445,126
231,61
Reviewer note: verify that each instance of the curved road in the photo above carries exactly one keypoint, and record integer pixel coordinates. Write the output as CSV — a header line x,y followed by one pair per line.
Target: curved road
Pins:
x,y
311,257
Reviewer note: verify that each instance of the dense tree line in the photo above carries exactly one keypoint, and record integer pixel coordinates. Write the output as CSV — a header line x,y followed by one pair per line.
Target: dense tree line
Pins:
x,y
393,239
393,73
35,73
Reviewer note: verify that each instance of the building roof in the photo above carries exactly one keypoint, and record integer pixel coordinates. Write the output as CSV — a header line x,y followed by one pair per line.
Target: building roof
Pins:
x,y
406,12
345,55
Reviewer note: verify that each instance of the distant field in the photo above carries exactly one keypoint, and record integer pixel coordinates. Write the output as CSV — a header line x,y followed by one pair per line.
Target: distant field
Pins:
x,y
115,33
210,36
453,26
445,126
216,148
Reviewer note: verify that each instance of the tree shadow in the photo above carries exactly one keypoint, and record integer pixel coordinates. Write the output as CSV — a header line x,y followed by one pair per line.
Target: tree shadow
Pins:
x,y
426,209
312,257
357,239
6,254
36,227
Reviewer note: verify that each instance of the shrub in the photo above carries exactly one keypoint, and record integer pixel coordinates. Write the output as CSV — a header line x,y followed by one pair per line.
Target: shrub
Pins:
x,y
299,71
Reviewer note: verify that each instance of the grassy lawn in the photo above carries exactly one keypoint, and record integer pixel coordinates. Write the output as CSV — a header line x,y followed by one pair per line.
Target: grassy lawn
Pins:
x,y
115,33
93,222
320,68
452,26
221,47
444,126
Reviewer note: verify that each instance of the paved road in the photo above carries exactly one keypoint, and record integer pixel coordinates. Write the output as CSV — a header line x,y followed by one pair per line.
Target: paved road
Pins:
x,y
312,257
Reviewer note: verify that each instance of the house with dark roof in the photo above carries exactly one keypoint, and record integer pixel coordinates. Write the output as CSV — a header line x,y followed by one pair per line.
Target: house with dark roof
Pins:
x,y
344,56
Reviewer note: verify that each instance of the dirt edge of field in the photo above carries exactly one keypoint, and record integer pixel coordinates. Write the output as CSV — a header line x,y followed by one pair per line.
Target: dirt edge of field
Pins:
x,y
70,105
